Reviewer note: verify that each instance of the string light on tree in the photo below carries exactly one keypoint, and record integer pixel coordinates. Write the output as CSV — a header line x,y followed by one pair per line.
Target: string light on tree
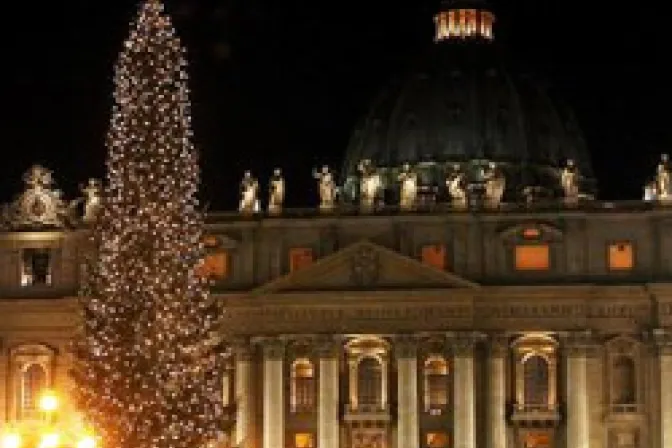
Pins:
x,y
147,373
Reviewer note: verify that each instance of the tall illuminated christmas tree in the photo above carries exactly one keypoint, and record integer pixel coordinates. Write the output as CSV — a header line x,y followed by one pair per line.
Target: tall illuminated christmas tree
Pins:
x,y
147,373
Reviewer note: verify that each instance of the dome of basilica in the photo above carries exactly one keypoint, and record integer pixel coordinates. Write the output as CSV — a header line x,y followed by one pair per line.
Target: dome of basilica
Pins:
x,y
465,105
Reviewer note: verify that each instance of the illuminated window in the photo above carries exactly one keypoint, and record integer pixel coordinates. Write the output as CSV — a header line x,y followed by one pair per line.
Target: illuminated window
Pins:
x,y
436,384
215,266
532,257
369,382
33,383
437,440
537,439
304,440
299,258
434,255
621,257
302,397
536,378
36,267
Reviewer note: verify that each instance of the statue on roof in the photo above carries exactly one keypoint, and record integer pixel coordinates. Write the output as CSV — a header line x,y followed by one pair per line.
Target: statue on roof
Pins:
x,y
408,179
41,204
663,191
249,190
569,181
276,192
92,199
495,184
456,184
326,187
370,185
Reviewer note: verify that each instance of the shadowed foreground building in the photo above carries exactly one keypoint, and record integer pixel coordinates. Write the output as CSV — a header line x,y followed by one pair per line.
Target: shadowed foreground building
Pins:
x,y
541,318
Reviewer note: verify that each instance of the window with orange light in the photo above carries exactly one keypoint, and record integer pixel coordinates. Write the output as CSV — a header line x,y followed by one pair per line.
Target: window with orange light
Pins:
x,y
299,258
437,440
434,255
215,266
621,256
304,440
531,233
537,440
532,257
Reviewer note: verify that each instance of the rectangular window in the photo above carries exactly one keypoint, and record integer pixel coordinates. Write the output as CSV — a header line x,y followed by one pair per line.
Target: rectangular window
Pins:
x,y
537,439
215,266
434,255
36,267
532,257
621,256
299,258
304,440
437,440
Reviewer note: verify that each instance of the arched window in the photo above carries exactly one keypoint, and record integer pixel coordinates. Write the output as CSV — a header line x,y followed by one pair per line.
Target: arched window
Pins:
x,y
302,386
535,376
369,382
623,381
436,383
33,383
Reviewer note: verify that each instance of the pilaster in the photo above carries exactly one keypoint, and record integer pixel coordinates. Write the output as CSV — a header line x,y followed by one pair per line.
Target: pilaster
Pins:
x,y
463,345
497,351
408,426
274,403
663,340
328,426
576,347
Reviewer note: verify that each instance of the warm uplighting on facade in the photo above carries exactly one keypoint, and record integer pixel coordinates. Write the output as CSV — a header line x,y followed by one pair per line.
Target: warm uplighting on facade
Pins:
x,y
464,24
11,440
86,442
50,440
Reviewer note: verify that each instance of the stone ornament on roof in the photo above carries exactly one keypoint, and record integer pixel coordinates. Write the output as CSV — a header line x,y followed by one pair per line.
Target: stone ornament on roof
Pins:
x,y
41,204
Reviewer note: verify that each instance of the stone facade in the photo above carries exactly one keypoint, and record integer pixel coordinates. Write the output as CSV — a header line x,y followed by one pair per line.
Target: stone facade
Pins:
x,y
418,330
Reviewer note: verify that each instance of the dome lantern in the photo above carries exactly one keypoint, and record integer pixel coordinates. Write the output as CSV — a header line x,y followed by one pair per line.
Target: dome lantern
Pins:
x,y
464,19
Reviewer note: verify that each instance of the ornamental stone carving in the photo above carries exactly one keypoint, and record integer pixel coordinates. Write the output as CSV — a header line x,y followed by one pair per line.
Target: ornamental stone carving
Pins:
x,y
365,267
41,204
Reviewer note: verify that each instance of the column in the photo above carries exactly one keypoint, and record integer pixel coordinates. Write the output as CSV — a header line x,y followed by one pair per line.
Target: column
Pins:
x,y
576,357
328,425
244,395
408,427
498,349
463,392
274,403
663,339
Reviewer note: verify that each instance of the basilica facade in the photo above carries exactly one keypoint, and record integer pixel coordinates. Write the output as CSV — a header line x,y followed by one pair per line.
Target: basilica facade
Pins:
x,y
457,285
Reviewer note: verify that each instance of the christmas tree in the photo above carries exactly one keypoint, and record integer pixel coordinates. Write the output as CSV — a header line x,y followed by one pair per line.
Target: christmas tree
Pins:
x,y
147,372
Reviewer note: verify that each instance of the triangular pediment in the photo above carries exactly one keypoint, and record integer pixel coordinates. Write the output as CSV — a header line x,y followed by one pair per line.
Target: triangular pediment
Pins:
x,y
365,266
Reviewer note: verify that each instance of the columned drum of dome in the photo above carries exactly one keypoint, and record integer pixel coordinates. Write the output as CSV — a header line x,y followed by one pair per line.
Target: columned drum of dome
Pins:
x,y
463,104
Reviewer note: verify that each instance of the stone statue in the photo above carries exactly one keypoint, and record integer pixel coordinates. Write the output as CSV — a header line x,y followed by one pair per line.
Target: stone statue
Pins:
x,y
495,183
663,192
370,185
249,190
455,182
326,187
569,180
276,192
92,198
408,196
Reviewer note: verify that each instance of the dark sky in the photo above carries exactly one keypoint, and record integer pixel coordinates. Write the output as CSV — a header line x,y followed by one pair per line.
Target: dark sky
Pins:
x,y
283,82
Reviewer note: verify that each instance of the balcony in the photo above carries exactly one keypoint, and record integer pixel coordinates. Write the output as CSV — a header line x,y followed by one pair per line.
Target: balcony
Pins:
x,y
368,413
535,415
625,413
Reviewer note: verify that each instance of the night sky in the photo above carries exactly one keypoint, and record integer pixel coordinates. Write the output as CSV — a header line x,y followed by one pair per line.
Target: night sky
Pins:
x,y
283,82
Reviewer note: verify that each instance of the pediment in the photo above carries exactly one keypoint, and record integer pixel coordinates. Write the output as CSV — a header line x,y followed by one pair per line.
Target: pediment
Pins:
x,y
365,266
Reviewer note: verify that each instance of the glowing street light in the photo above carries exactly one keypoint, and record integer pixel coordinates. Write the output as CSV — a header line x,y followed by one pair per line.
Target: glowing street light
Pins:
x,y
11,440
48,402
